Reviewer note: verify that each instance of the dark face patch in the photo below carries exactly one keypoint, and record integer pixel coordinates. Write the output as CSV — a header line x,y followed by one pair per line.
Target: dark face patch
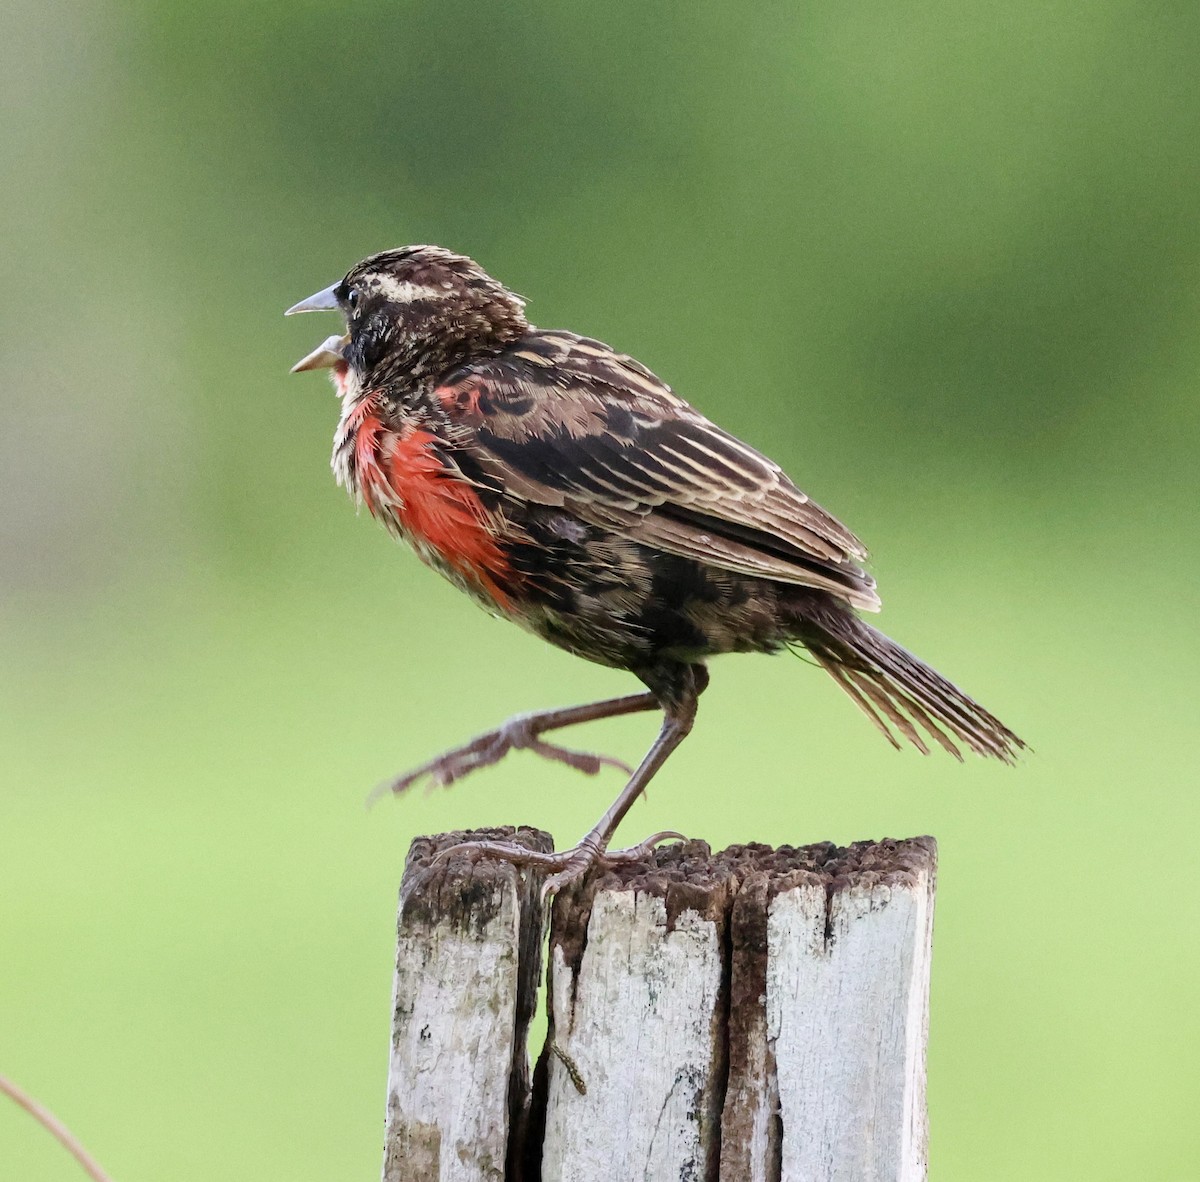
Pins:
x,y
419,311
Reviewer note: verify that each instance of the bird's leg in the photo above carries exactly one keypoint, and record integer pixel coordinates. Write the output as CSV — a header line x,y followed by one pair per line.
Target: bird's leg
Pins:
x,y
525,731
569,865
593,847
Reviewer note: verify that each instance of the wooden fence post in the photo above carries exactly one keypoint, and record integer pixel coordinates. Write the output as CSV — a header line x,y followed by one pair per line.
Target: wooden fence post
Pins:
x,y
756,1014
468,958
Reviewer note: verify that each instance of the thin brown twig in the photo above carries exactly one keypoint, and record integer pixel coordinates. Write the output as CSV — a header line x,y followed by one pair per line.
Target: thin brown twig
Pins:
x,y
55,1128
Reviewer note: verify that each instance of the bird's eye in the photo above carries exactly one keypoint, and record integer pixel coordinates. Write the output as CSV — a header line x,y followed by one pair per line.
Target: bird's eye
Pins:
x,y
352,298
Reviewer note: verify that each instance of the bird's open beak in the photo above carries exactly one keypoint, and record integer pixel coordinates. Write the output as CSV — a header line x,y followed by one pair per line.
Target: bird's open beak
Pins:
x,y
330,351
326,355
323,301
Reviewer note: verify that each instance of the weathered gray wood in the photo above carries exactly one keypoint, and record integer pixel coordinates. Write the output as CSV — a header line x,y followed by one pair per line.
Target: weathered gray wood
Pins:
x,y
637,1017
847,1011
830,977
467,963
758,1015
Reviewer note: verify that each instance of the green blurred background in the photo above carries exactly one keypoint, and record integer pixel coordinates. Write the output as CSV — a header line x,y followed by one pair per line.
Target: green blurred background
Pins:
x,y
939,259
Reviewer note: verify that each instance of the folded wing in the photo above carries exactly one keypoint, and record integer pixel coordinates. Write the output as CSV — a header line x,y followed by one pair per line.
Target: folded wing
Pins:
x,y
564,421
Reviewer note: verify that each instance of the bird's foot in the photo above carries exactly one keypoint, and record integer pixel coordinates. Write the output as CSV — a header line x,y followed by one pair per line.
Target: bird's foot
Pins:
x,y
577,861
568,866
519,733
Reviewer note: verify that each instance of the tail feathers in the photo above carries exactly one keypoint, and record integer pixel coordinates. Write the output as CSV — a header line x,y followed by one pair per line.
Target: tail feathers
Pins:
x,y
895,689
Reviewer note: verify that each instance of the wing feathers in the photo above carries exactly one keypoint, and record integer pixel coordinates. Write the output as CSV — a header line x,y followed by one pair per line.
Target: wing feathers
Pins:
x,y
562,420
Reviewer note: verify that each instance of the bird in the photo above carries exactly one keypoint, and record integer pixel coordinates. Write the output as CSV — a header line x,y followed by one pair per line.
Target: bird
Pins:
x,y
565,487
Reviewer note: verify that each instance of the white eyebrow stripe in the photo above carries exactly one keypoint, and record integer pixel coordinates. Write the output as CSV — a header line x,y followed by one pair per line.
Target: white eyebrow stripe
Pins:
x,y
405,292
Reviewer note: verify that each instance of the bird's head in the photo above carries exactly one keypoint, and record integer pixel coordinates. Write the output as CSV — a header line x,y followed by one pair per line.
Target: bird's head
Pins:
x,y
411,313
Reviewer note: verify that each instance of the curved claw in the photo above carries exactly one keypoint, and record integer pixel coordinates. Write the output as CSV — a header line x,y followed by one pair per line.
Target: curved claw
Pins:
x,y
635,853
444,770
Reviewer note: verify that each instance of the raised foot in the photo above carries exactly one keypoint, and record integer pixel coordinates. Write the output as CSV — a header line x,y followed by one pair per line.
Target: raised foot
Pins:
x,y
519,733
568,865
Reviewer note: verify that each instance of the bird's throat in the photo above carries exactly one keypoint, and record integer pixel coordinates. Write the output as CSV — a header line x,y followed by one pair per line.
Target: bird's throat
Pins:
x,y
340,375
